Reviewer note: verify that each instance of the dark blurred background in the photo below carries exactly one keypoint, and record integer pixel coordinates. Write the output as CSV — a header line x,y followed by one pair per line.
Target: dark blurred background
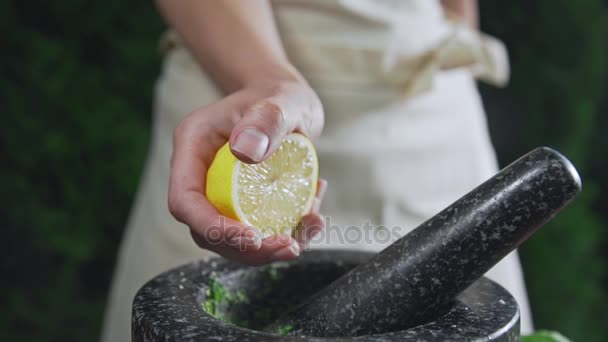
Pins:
x,y
76,83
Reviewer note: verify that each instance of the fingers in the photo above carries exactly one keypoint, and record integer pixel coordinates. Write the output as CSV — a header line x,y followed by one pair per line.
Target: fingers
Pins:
x,y
312,223
310,226
194,146
265,123
211,230
275,248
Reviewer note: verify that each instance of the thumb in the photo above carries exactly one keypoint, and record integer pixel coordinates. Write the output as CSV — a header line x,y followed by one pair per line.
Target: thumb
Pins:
x,y
293,107
260,131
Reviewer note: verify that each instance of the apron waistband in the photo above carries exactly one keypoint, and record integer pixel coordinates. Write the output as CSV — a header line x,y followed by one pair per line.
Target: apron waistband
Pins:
x,y
484,55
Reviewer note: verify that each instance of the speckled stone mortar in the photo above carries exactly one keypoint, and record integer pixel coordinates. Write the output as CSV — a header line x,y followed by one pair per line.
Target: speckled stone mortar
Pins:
x,y
169,307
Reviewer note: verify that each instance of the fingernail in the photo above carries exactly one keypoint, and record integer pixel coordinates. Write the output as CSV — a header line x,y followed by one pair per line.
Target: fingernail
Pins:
x,y
252,143
288,252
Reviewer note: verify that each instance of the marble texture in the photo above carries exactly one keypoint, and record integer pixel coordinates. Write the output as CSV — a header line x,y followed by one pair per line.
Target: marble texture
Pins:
x,y
418,276
169,307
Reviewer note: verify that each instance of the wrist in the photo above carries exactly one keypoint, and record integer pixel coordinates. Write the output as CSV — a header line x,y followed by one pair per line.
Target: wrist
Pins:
x,y
272,74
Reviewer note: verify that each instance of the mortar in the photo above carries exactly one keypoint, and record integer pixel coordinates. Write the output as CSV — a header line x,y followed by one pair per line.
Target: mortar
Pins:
x,y
427,286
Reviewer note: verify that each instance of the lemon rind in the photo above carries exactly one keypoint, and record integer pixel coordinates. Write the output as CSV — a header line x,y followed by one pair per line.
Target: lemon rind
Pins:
x,y
219,192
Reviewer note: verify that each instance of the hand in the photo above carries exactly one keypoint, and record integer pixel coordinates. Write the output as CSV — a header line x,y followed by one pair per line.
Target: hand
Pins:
x,y
254,120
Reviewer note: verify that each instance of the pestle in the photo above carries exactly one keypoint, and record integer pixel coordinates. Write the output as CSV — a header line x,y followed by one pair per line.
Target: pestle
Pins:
x,y
420,274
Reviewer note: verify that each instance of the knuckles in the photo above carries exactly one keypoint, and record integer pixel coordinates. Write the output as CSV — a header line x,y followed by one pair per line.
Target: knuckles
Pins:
x,y
274,115
286,107
182,129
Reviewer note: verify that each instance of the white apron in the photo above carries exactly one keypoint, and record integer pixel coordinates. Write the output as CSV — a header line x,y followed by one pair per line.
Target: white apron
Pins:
x,y
403,139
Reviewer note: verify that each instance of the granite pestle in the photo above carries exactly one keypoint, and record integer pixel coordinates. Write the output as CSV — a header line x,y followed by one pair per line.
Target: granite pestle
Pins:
x,y
420,274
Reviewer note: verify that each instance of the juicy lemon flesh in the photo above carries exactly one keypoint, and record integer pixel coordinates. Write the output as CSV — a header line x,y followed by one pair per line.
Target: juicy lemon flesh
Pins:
x,y
274,194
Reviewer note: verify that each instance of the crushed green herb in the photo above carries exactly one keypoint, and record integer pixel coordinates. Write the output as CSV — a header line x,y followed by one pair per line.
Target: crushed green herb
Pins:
x,y
215,295
262,298
284,330
273,273
240,297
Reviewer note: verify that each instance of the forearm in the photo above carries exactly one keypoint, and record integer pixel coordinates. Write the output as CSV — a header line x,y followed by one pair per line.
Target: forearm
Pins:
x,y
467,10
235,41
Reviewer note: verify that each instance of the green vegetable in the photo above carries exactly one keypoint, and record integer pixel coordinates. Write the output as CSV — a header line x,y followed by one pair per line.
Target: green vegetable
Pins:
x,y
253,310
215,295
284,330
545,336
272,272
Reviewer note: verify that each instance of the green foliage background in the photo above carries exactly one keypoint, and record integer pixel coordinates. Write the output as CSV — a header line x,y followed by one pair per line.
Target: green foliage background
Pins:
x,y
76,83
557,97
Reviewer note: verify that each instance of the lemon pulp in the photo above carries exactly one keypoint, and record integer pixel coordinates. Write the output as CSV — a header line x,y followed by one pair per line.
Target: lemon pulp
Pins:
x,y
272,195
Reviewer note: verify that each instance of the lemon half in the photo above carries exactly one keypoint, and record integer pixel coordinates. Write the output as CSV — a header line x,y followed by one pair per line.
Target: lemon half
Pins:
x,y
272,195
